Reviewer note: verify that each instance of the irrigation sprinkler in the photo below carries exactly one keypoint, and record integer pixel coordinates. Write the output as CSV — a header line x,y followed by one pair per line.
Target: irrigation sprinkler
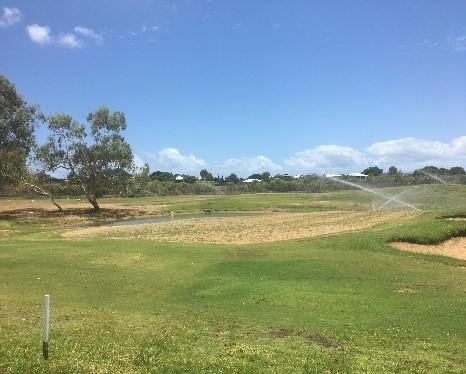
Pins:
x,y
433,176
45,328
392,198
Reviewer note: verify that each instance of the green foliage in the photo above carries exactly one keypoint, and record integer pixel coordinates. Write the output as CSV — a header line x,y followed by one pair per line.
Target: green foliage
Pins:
x,y
392,170
95,157
456,170
205,175
18,121
265,176
163,176
232,178
255,176
373,171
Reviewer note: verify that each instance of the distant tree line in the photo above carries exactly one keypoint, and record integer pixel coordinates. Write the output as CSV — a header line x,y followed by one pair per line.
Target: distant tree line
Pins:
x,y
96,160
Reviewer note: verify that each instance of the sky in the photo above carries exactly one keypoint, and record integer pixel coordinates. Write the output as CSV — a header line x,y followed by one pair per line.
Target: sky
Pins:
x,y
245,86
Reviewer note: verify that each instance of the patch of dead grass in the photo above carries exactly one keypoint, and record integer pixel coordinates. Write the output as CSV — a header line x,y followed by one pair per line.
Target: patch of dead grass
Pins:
x,y
261,228
455,247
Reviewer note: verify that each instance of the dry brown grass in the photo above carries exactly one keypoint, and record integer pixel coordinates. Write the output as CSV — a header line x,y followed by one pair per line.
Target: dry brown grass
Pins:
x,y
11,205
245,229
455,247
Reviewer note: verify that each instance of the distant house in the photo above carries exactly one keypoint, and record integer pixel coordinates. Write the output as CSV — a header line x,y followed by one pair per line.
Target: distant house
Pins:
x,y
251,180
179,178
297,176
358,175
333,175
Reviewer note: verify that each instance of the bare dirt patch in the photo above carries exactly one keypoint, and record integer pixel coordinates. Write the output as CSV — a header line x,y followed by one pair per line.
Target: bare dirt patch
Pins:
x,y
310,337
405,290
455,247
261,228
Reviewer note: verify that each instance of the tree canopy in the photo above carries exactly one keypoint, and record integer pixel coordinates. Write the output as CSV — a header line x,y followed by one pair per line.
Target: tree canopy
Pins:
x,y
18,121
392,170
373,171
205,175
95,156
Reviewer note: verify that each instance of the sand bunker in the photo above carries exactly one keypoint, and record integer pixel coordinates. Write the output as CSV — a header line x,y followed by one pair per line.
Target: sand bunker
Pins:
x,y
244,230
455,247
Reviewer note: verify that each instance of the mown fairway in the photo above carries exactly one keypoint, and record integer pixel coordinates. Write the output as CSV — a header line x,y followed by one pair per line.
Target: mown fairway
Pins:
x,y
346,302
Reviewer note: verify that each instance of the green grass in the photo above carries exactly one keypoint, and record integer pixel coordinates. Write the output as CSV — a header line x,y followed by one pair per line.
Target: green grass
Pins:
x,y
436,197
292,202
345,303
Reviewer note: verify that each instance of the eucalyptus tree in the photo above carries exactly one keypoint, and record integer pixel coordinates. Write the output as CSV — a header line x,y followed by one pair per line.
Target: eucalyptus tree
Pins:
x,y
18,121
95,155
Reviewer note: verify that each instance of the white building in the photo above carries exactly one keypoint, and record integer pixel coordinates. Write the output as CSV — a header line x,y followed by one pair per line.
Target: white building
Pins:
x,y
179,178
358,175
251,180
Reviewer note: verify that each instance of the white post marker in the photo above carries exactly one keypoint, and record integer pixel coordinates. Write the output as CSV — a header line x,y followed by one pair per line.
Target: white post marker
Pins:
x,y
45,328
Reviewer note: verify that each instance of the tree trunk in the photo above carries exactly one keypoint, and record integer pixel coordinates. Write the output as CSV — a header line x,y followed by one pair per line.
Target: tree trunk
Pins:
x,y
53,198
56,204
90,192
42,191
93,201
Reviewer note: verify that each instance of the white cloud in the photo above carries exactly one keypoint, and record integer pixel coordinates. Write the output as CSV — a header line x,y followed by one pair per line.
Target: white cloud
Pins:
x,y
69,40
39,34
42,35
138,161
10,16
412,153
326,158
174,160
457,43
406,153
89,33
248,165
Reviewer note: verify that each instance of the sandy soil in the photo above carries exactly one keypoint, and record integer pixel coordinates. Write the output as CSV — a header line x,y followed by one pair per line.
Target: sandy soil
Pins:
x,y
10,205
244,230
71,204
455,247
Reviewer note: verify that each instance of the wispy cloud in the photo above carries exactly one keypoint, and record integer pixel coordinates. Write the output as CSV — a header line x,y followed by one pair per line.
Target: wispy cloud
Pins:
x,y
69,40
42,35
39,34
10,16
457,43
451,43
89,33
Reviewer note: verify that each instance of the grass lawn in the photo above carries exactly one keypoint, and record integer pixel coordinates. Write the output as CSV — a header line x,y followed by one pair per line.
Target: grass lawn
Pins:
x,y
341,303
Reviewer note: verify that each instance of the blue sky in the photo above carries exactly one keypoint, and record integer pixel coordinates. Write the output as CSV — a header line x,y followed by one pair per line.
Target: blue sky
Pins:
x,y
246,86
